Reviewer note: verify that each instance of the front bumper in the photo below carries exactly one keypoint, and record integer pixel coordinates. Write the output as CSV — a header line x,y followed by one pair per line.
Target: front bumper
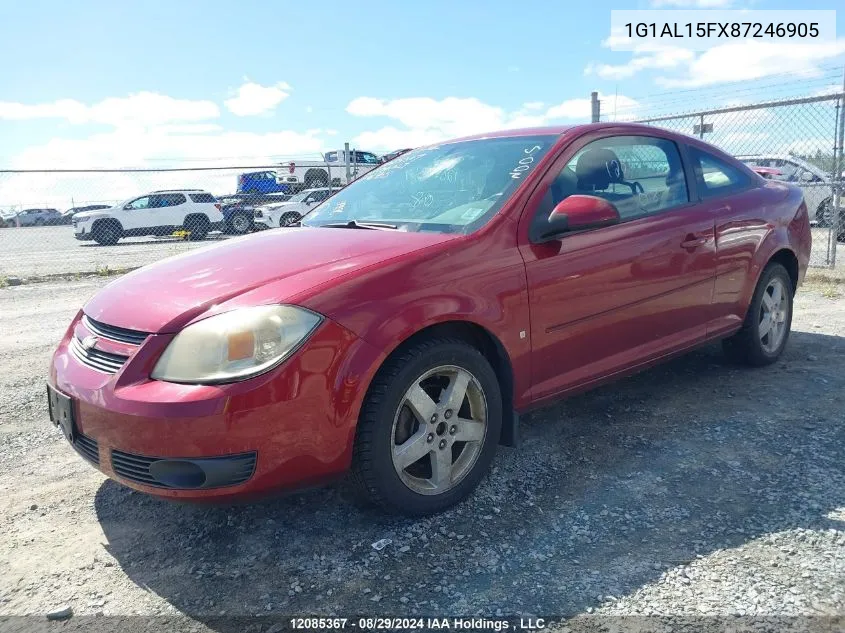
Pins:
x,y
263,222
291,427
83,233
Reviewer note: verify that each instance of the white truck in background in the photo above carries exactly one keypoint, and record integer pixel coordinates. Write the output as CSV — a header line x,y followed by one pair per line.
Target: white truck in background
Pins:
x,y
310,174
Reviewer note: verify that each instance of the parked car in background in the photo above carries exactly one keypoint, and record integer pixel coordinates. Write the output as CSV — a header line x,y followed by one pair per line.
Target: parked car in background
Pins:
x,y
238,209
34,217
815,182
261,182
391,155
288,213
402,329
7,219
67,216
157,213
331,171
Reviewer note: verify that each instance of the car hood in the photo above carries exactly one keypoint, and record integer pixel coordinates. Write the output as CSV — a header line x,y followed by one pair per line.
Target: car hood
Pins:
x,y
279,266
87,215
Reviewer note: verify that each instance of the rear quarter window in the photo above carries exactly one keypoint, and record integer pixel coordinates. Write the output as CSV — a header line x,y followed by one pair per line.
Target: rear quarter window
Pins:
x,y
716,177
202,197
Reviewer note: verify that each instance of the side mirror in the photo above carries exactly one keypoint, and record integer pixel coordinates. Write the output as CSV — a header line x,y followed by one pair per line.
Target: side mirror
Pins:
x,y
578,213
806,177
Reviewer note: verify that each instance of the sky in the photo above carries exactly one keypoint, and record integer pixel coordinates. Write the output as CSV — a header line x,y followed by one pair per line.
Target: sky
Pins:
x,y
104,84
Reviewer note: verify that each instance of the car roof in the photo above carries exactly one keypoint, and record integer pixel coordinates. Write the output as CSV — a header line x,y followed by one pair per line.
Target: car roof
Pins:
x,y
179,191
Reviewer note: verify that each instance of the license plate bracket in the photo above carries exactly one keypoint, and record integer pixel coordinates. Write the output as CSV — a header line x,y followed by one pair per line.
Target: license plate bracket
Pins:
x,y
61,412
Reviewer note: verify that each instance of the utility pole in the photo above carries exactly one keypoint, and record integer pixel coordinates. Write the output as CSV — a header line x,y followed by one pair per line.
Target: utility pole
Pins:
x,y
595,107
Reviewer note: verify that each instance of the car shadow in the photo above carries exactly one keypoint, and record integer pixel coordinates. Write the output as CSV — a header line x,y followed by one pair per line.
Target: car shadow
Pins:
x,y
609,490
147,241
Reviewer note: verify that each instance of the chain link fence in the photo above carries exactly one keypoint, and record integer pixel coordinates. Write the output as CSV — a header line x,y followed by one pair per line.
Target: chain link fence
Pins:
x,y
796,140
54,222
43,213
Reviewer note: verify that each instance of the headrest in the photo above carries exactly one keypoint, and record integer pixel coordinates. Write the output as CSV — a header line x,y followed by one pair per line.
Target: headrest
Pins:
x,y
597,168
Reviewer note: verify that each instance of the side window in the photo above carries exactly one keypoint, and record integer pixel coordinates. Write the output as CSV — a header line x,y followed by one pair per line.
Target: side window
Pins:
x,y
139,203
715,176
175,199
331,157
640,175
202,197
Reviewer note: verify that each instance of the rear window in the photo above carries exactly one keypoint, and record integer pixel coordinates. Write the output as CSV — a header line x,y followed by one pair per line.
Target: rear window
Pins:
x,y
202,197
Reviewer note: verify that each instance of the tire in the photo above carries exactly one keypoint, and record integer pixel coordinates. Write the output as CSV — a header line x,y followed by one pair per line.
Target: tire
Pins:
x,y
316,178
198,226
749,346
388,422
240,223
107,233
824,214
289,219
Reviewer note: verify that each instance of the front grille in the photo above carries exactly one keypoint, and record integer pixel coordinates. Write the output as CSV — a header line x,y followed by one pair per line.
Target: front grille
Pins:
x,y
96,359
114,333
137,468
88,448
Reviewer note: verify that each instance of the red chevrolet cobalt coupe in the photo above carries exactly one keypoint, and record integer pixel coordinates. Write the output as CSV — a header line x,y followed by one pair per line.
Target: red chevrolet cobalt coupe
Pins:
x,y
400,331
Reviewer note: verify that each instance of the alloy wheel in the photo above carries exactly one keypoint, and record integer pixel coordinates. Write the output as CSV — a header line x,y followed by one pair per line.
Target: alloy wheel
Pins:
x,y
439,429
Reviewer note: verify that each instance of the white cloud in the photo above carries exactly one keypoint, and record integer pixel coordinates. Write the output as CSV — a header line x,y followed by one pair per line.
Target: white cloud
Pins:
x,y
656,58
745,60
749,60
253,98
428,120
142,108
147,148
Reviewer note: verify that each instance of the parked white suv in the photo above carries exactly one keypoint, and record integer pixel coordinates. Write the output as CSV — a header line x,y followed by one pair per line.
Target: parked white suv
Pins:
x,y
156,213
291,211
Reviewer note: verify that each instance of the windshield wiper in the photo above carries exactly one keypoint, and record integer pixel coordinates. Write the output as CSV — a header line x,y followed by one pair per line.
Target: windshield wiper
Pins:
x,y
355,224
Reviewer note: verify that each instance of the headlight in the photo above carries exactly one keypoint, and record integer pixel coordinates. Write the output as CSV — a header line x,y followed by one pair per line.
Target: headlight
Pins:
x,y
235,345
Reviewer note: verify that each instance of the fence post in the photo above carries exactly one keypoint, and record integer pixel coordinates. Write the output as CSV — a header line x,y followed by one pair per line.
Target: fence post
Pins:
x,y
346,160
595,107
838,166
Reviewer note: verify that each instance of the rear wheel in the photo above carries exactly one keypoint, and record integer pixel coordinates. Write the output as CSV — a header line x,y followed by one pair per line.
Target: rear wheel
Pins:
x,y
198,226
107,233
428,428
240,223
767,324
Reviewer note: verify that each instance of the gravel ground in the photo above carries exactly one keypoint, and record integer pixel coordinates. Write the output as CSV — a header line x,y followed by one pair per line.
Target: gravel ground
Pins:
x,y
695,489
52,250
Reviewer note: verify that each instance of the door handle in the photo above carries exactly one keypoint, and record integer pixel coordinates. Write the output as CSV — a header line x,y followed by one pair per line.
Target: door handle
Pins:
x,y
691,241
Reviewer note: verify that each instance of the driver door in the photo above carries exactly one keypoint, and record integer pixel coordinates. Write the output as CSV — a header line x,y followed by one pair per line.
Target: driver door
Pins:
x,y
138,214
609,299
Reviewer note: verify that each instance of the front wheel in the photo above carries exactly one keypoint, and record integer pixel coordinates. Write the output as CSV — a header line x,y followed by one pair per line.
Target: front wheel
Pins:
x,y
428,428
768,322
106,233
289,219
824,214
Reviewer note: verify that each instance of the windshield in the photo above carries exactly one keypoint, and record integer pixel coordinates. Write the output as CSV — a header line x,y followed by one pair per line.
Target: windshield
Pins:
x,y
449,188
